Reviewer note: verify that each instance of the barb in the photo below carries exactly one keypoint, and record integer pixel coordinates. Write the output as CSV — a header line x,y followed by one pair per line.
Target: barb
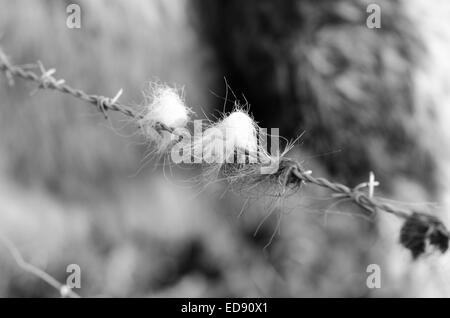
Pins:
x,y
64,290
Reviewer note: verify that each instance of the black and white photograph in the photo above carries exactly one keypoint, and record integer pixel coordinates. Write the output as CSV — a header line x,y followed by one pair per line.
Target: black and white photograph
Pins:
x,y
224,154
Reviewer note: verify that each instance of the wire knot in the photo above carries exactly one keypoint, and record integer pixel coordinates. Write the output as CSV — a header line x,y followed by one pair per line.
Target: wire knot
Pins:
x,y
105,103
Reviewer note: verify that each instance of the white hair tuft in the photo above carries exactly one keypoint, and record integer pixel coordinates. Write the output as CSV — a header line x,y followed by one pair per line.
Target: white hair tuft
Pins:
x,y
164,105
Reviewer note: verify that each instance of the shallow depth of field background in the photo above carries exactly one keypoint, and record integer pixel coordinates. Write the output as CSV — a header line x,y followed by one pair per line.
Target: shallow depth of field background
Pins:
x,y
74,188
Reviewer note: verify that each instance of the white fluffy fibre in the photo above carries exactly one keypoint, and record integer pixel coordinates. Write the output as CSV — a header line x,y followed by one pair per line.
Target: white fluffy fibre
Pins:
x,y
240,131
166,107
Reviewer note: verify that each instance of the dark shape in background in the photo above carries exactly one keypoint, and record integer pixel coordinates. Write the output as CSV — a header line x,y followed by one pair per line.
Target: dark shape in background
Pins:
x,y
315,66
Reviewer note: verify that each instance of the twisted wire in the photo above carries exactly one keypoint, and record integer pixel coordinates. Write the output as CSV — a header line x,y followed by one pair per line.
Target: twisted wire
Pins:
x,y
47,81
64,290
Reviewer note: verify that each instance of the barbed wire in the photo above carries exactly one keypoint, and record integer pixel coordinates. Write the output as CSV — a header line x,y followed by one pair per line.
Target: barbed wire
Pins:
x,y
64,290
46,80
368,202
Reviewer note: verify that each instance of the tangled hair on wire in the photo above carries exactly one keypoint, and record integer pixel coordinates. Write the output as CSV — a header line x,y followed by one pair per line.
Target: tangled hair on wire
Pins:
x,y
166,111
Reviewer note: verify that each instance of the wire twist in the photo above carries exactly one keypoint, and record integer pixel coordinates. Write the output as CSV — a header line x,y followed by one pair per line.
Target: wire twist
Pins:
x,y
104,104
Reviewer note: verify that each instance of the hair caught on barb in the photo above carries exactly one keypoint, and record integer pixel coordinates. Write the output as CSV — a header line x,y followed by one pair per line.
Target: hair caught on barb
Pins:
x,y
164,105
421,231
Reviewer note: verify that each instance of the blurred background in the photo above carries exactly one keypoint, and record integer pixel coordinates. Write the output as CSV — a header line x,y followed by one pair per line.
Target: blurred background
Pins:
x,y
76,188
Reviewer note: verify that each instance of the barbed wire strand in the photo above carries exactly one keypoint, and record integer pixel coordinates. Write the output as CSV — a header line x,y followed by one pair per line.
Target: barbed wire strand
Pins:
x,y
64,290
47,81
359,197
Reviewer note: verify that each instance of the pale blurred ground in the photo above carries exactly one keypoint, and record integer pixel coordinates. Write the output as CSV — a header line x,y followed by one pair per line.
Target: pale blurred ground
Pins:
x,y
69,192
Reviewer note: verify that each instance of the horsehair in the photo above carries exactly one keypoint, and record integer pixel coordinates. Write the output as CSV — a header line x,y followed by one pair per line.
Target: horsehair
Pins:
x,y
418,229
64,290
